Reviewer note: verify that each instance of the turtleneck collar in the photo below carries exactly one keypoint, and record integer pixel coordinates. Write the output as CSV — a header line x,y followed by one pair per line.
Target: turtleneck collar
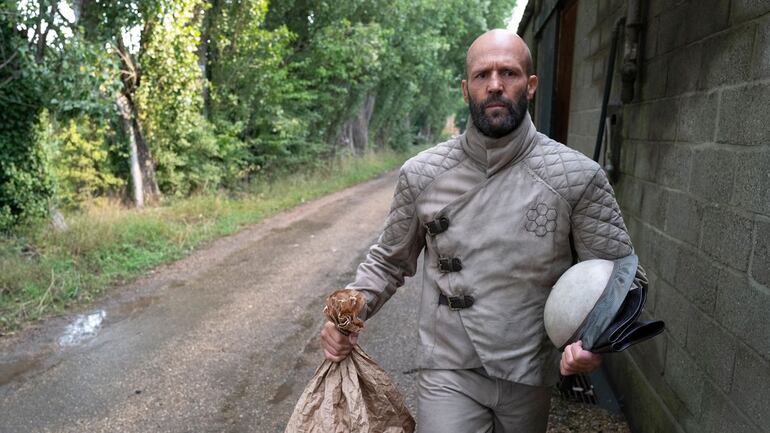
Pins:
x,y
492,154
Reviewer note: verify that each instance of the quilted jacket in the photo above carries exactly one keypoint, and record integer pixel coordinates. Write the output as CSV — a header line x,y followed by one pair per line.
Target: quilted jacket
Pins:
x,y
493,217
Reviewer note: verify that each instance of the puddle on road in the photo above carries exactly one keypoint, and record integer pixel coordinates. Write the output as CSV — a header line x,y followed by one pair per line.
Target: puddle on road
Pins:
x,y
47,348
84,327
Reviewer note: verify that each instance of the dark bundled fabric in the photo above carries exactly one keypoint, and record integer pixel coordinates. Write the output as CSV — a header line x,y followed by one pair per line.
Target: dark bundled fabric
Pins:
x,y
625,330
612,325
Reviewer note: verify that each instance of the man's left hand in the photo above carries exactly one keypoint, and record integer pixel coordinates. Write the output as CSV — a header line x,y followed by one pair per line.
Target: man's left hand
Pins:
x,y
575,360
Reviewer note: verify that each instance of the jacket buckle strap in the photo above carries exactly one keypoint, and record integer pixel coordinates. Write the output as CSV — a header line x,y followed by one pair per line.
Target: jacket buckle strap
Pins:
x,y
449,264
437,226
455,302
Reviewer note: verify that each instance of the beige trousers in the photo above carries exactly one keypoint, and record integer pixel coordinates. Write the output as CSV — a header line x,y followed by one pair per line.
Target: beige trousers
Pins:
x,y
469,401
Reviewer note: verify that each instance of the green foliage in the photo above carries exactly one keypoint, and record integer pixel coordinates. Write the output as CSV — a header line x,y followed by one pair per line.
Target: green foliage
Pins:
x,y
42,271
225,91
252,95
78,152
25,187
169,98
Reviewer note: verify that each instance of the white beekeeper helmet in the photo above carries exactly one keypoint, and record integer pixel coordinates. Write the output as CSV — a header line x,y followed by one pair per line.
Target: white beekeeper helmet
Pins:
x,y
586,299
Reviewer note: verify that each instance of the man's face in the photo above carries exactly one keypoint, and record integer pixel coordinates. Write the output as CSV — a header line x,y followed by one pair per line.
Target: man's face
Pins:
x,y
496,115
498,87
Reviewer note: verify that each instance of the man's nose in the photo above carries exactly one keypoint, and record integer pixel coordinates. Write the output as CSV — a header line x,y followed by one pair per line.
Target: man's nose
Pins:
x,y
495,84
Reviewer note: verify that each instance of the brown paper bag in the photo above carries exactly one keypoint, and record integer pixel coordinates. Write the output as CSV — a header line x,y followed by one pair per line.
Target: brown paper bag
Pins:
x,y
354,395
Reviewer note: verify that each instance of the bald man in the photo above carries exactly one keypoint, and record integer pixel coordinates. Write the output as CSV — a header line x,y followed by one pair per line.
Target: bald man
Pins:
x,y
493,211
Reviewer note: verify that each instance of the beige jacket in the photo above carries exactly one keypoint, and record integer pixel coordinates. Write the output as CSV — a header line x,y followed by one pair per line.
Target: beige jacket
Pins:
x,y
510,204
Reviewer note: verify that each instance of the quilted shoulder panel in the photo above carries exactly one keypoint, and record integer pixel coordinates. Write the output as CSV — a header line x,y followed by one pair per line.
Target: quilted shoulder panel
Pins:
x,y
402,211
429,164
565,170
597,225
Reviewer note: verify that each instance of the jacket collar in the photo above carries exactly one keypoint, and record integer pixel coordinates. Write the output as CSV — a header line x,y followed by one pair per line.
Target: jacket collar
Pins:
x,y
492,154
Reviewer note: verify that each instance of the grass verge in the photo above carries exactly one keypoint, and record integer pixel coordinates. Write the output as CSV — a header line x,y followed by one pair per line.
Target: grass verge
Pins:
x,y
43,272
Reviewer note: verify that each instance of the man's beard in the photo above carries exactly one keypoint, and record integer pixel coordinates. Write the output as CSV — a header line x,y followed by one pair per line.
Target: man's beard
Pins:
x,y
501,122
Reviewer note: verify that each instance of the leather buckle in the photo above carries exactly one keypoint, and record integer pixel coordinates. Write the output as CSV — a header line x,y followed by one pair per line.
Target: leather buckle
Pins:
x,y
449,264
437,226
459,302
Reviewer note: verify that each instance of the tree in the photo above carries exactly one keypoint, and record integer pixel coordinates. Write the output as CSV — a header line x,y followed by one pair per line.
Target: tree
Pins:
x,y
25,187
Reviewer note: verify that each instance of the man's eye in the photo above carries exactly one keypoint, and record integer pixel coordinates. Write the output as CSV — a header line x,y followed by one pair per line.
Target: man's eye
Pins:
x,y
481,75
509,73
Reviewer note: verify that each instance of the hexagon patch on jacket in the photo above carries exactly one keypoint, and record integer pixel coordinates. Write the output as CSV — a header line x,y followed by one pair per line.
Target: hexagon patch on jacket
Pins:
x,y
541,219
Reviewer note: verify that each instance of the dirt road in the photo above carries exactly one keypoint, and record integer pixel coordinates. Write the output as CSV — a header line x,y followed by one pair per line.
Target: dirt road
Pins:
x,y
223,341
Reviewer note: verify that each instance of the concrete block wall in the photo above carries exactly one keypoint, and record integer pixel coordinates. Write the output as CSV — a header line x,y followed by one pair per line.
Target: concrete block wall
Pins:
x,y
695,194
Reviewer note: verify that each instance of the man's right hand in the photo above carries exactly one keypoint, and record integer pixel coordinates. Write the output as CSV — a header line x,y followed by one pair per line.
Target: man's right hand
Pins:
x,y
336,345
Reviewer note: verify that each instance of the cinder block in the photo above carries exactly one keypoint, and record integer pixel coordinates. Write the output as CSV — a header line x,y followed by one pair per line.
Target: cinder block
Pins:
x,y
740,119
727,237
636,121
650,48
684,70
644,242
712,174
653,288
727,57
673,32
654,205
667,253
752,386
663,120
713,348
634,228
720,415
697,279
685,378
744,309
629,197
644,398
697,118
760,260
653,78
651,354
761,61
627,156
752,182
646,161
743,10
684,217
675,310
599,65
708,17
674,164
656,7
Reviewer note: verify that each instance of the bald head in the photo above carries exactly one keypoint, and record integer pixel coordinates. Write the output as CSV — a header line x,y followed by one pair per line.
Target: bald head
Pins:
x,y
499,41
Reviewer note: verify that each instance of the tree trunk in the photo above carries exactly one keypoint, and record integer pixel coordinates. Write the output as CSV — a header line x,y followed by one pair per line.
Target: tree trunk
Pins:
x,y
142,165
203,55
380,139
355,132
361,125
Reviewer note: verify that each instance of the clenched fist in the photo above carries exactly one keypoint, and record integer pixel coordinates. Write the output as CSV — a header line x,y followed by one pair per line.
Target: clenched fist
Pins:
x,y
576,360
336,345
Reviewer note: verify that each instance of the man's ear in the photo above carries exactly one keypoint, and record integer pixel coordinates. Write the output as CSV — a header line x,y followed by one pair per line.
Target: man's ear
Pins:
x,y
464,86
531,86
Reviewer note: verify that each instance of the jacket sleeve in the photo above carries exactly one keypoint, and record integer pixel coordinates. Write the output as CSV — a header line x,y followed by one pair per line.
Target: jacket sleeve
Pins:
x,y
395,254
598,229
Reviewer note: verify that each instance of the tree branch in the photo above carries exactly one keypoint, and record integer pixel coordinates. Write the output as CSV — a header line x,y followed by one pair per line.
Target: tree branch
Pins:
x,y
8,60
